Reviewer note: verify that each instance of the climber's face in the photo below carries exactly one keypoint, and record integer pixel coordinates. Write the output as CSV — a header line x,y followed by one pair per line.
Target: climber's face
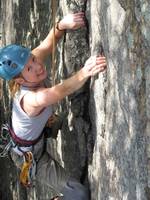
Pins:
x,y
34,71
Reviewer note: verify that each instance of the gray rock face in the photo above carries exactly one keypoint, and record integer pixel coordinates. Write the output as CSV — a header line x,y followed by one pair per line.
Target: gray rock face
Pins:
x,y
105,135
119,165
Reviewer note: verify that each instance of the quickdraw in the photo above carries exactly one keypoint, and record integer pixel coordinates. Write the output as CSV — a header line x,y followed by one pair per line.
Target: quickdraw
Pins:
x,y
6,142
28,170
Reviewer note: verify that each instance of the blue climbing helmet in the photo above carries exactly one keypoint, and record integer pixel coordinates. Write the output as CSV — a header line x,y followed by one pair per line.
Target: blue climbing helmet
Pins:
x,y
12,60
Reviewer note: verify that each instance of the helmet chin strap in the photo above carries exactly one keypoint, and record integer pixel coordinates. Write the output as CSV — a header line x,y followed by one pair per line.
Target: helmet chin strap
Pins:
x,y
30,82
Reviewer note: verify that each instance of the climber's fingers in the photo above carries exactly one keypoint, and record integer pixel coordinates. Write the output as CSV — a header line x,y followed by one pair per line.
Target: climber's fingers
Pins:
x,y
79,14
72,21
94,65
95,60
98,68
51,120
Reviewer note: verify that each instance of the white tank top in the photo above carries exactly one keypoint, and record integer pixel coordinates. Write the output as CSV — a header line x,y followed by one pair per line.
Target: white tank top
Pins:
x,y
25,127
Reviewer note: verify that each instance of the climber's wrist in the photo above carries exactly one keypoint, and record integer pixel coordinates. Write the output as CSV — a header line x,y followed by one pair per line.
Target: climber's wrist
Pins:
x,y
59,26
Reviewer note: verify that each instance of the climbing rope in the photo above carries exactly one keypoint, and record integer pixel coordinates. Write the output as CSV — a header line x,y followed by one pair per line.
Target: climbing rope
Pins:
x,y
54,7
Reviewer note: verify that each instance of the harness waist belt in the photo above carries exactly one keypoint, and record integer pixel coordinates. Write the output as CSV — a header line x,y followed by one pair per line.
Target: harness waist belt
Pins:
x,y
22,142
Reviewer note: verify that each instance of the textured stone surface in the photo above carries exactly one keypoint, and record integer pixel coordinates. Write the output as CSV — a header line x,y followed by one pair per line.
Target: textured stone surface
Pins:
x,y
105,136
121,101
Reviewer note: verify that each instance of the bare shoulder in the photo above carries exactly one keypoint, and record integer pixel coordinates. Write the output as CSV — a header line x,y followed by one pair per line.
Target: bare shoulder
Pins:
x,y
44,97
30,105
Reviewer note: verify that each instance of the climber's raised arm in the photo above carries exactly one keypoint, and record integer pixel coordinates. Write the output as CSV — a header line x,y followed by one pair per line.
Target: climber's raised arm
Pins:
x,y
70,21
47,96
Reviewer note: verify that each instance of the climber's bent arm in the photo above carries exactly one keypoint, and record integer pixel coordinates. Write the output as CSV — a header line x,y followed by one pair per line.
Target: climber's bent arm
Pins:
x,y
56,93
36,101
47,96
46,46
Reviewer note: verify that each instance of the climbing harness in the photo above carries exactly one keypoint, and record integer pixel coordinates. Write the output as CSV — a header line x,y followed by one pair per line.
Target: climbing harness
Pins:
x,y
8,140
9,135
28,169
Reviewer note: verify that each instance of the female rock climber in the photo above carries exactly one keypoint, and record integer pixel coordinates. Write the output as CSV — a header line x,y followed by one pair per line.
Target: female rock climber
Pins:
x,y
32,106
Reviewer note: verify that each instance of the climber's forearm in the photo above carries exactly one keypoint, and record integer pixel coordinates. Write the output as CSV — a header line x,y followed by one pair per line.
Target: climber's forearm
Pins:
x,y
52,95
71,22
46,46
72,84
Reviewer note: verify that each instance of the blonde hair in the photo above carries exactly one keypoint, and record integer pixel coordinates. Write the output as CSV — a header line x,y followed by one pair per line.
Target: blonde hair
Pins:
x,y
14,87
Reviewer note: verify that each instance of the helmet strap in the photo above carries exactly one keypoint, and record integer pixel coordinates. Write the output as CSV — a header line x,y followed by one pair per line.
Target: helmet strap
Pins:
x,y
29,84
